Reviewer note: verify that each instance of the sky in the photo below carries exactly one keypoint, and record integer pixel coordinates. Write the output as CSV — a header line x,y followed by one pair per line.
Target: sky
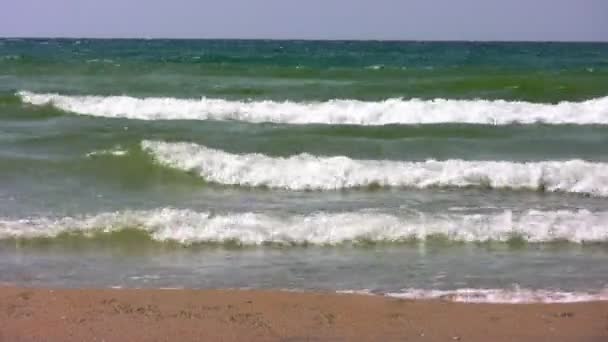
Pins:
x,y
544,20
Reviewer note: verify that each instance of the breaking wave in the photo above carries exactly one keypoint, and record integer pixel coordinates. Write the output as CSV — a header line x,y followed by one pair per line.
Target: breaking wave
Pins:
x,y
355,112
308,172
187,226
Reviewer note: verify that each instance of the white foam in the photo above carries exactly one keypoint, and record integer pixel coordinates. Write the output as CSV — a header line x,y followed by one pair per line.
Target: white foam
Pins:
x,y
390,111
187,226
308,172
117,152
503,296
10,57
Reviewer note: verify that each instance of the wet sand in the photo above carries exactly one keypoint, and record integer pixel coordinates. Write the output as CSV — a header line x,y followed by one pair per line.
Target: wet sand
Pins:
x,y
226,315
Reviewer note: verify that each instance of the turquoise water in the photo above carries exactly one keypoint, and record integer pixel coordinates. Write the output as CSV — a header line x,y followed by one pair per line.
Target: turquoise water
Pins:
x,y
161,162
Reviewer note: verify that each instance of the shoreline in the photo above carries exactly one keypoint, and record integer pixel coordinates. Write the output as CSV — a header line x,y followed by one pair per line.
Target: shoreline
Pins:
x,y
38,314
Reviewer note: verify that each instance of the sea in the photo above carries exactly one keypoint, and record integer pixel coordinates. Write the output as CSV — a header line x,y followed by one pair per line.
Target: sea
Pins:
x,y
468,171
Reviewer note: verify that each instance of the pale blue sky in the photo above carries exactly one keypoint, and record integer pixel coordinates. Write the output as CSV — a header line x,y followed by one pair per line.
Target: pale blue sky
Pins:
x,y
310,19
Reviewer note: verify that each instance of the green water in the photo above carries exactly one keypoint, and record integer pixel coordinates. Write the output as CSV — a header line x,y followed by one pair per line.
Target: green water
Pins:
x,y
303,70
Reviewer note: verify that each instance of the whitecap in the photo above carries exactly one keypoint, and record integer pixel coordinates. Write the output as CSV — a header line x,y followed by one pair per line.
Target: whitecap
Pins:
x,y
309,172
355,112
323,228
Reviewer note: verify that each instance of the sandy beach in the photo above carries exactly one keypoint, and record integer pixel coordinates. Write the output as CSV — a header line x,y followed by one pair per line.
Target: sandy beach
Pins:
x,y
28,314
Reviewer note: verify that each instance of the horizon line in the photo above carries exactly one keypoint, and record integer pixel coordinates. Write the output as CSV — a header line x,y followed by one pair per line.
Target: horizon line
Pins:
x,y
309,39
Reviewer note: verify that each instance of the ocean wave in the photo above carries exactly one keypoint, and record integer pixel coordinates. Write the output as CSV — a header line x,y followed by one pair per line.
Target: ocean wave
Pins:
x,y
355,112
321,228
503,296
308,172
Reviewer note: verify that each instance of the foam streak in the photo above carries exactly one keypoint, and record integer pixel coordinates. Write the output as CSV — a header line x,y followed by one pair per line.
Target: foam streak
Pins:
x,y
500,296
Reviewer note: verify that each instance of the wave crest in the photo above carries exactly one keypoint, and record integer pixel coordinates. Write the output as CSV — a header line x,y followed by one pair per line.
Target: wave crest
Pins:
x,y
308,172
355,112
188,226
